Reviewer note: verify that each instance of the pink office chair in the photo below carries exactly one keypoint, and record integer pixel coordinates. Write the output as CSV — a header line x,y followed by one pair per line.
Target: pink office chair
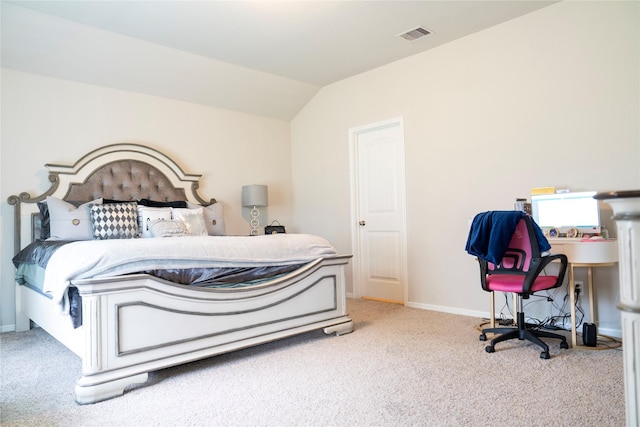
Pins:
x,y
520,271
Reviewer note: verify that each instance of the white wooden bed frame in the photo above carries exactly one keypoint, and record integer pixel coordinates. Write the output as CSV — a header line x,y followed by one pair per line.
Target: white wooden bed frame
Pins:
x,y
136,324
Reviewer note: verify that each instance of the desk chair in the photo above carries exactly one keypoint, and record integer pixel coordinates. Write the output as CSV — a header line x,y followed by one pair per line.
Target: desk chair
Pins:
x,y
520,272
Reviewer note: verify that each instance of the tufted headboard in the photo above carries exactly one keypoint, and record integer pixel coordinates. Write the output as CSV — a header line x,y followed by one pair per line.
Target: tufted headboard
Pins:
x,y
119,172
126,180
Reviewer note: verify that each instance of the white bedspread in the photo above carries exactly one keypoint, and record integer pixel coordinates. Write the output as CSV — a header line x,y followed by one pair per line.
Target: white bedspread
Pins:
x,y
106,258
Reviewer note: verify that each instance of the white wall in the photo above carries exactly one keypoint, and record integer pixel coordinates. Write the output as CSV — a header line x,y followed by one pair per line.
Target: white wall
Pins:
x,y
548,99
46,120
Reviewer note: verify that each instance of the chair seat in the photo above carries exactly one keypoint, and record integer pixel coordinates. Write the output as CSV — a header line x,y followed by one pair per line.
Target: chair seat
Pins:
x,y
513,283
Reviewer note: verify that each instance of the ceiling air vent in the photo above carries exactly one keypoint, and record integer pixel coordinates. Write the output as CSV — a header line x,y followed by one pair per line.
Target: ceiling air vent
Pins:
x,y
415,34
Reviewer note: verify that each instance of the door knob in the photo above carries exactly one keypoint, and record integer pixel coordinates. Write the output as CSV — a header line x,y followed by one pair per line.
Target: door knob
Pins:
x,y
362,223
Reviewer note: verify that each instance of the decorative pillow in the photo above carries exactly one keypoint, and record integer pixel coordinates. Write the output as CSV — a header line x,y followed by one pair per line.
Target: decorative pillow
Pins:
x,y
157,204
168,228
146,215
194,219
114,221
213,218
45,225
68,222
111,201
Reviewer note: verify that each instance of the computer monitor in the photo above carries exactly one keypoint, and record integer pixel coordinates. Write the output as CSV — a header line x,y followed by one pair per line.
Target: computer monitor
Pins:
x,y
564,211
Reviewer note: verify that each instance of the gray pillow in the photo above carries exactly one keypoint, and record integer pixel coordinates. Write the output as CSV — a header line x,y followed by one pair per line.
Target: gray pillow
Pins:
x,y
114,221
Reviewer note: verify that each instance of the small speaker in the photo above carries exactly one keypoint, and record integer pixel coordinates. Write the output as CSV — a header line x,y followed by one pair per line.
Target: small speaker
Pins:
x,y
589,334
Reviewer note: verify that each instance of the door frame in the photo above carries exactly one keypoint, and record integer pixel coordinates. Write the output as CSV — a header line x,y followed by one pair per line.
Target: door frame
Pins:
x,y
355,203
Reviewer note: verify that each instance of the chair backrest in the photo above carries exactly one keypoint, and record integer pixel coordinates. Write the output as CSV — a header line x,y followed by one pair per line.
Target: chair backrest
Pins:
x,y
522,258
522,248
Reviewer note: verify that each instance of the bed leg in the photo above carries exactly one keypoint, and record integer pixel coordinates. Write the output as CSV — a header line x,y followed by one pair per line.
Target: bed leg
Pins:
x,y
89,392
23,323
339,329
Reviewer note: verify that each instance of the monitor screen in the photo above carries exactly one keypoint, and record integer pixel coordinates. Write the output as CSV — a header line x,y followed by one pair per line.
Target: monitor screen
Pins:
x,y
565,211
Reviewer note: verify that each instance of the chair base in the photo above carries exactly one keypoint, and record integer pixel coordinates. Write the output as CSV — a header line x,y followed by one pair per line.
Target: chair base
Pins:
x,y
522,333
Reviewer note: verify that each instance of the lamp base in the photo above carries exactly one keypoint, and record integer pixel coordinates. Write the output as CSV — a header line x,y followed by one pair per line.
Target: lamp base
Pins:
x,y
255,222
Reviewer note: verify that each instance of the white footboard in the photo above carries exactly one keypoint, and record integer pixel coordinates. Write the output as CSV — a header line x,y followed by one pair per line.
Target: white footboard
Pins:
x,y
142,324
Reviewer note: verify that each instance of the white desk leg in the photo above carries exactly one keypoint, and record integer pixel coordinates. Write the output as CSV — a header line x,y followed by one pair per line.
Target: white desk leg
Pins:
x,y
572,299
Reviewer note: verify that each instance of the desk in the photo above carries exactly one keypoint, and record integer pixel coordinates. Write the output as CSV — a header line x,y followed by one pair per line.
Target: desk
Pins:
x,y
587,254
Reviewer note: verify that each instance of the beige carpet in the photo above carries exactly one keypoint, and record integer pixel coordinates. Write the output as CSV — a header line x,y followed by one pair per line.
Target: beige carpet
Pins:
x,y
401,367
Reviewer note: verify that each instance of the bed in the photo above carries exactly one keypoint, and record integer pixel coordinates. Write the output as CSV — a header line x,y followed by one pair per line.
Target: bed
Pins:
x,y
133,321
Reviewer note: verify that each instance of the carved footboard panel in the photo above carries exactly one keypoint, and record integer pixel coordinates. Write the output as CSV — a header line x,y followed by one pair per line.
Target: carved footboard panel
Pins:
x,y
144,324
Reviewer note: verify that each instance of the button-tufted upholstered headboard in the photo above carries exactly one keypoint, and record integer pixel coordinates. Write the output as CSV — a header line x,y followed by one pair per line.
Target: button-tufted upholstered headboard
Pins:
x,y
118,171
126,180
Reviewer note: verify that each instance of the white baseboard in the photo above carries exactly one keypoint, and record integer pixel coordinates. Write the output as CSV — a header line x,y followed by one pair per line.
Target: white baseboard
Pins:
x,y
7,328
615,333
451,310
612,332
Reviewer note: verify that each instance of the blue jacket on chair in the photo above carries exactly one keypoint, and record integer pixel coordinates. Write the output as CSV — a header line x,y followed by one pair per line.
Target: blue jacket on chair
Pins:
x,y
491,233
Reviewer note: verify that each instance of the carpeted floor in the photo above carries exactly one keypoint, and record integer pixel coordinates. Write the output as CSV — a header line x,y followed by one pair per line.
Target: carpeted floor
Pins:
x,y
401,367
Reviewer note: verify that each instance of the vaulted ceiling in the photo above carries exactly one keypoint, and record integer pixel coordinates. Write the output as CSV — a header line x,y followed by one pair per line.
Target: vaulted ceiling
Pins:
x,y
260,57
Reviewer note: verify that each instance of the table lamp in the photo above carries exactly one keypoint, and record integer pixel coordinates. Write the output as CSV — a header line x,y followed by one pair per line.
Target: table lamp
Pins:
x,y
254,196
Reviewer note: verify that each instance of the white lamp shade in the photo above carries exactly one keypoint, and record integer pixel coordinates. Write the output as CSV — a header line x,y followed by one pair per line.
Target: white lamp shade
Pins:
x,y
254,195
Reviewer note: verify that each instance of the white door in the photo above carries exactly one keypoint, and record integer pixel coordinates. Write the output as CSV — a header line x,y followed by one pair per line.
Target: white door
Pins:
x,y
379,216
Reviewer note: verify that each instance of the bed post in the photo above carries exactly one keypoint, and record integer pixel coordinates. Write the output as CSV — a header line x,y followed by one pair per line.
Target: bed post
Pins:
x,y
22,322
15,201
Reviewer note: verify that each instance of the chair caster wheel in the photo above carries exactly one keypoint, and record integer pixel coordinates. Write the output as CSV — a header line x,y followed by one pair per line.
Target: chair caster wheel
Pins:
x,y
564,345
489,349
544,355
483,337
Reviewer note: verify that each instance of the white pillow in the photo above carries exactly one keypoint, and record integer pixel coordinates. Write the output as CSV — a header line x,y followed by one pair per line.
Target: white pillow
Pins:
x,y
146,215
213,218
168,228
69,222
193,218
